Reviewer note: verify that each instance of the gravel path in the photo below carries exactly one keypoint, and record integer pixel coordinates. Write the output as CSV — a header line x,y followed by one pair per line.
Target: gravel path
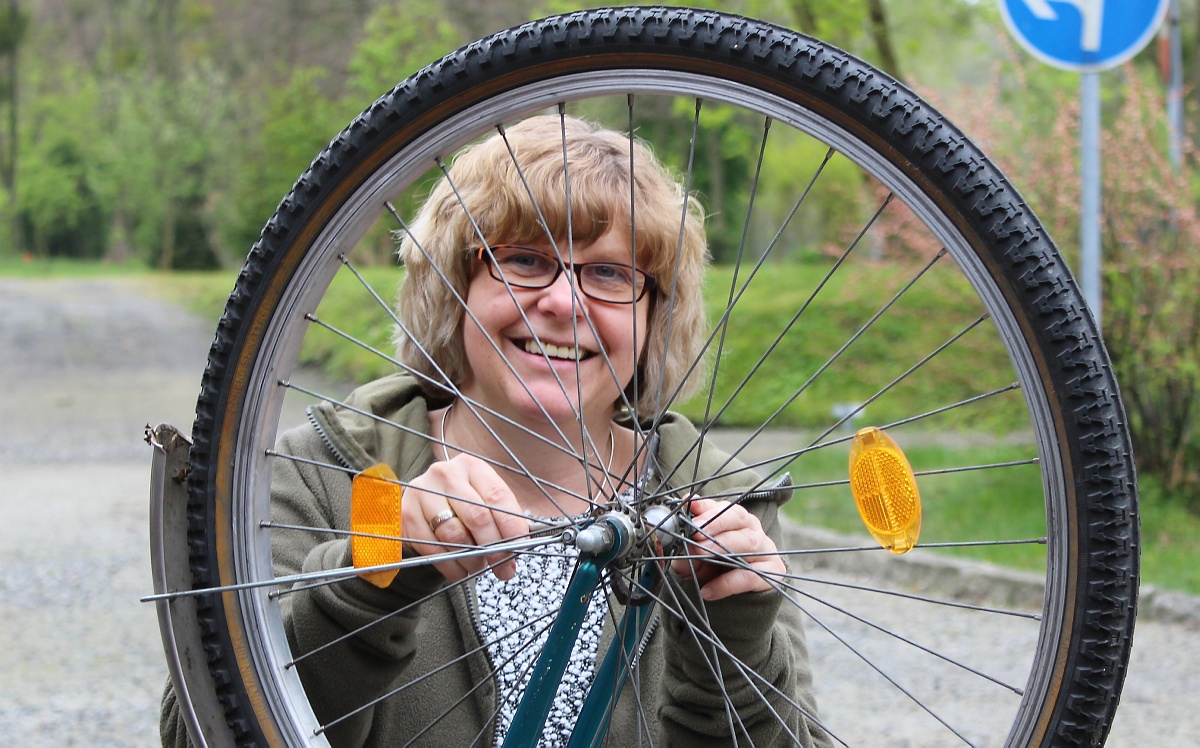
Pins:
x,y
86,364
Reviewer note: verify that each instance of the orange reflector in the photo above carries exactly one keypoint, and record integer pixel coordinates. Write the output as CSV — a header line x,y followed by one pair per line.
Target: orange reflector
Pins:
x,y
885,490
375,511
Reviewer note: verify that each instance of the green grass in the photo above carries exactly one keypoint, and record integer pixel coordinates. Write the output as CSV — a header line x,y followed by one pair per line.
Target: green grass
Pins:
x,y
33,268
955,505
1169,531
805,353
353,309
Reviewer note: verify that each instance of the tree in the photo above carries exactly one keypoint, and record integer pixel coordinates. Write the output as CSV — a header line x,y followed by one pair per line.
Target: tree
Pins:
x,y
1151,310
62,206
841,23
13,24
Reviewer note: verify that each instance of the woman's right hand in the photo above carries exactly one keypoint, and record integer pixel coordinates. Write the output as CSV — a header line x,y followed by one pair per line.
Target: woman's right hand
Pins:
x,y
485,511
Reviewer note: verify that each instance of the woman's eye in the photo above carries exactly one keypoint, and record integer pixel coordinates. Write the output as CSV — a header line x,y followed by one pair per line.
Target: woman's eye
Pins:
x,y
528,263
610,274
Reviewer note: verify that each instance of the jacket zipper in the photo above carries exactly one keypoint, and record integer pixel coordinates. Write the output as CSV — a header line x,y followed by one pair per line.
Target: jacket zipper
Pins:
x,y
337,453
473,615
645,642
762,494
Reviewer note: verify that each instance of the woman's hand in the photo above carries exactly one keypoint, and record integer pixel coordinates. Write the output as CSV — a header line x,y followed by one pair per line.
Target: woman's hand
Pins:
x,y
728,530
472,505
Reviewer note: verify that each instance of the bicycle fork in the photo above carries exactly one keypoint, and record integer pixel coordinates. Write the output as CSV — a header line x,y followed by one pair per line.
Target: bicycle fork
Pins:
x,y
600,543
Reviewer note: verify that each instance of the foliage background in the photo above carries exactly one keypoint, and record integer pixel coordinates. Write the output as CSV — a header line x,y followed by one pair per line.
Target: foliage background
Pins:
x,y
164,133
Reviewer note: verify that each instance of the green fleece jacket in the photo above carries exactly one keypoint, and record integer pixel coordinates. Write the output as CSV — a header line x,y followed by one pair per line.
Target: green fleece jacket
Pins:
x,y
435,645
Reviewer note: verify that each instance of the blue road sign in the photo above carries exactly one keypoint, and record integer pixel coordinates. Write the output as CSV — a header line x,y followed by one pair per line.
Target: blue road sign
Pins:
x,y
1084,35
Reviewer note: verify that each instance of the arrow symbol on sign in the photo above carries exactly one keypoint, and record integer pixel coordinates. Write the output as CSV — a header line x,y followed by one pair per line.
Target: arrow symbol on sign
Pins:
x,y
1092,12
1041,9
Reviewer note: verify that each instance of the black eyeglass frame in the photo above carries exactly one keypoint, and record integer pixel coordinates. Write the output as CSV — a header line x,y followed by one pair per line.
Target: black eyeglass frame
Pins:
x,y
487,256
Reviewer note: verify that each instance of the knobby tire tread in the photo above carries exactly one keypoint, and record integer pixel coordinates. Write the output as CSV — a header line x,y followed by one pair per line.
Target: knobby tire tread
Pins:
x,y
915,139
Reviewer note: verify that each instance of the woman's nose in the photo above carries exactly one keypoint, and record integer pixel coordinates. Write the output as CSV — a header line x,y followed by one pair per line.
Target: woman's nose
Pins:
x,y
562,296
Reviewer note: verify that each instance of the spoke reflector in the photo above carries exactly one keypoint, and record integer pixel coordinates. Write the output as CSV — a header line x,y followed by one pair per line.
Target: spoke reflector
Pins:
x,y
885,490
375,511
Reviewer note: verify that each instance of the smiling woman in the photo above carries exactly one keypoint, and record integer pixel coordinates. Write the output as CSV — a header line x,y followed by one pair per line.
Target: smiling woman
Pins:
x,y
531,327
536,365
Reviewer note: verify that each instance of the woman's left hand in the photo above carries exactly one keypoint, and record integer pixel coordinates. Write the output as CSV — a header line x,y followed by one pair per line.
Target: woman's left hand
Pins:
x,y
728,530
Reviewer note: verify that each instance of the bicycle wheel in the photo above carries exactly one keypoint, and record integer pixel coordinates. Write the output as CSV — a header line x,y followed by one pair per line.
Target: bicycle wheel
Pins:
x,y
840,204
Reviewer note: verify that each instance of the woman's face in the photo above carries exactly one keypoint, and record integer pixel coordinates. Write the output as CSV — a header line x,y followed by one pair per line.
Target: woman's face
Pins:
x,y
514,377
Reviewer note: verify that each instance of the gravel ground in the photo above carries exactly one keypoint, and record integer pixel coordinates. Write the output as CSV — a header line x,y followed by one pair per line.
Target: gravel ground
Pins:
x,y
86,364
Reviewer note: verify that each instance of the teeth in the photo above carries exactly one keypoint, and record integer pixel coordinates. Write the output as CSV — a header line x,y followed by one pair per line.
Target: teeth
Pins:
x,y
553,351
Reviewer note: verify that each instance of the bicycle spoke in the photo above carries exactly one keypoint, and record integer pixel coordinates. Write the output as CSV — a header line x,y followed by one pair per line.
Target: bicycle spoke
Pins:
x,y
467,311
830,361
876,548
470,403
543,485
485,647
909,596
407,484
890,385
351,571
385,617
705,635
443,667
790,455
791,323
737,561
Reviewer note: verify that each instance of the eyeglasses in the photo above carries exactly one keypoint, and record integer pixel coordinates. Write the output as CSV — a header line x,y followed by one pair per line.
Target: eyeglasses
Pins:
x,y
526,267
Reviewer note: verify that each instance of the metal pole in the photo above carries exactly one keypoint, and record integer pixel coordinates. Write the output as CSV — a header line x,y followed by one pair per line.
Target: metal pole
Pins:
x,y
1175,85
1089,229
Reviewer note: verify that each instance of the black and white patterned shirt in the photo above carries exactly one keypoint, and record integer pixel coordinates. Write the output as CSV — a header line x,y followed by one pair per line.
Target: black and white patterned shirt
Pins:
x,y
515,619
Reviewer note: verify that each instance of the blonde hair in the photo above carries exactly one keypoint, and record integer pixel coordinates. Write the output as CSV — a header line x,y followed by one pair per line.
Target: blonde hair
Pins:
x,y
487,198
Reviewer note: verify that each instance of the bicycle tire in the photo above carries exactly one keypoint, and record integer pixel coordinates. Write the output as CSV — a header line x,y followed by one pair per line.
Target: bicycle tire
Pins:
x,y
1084,448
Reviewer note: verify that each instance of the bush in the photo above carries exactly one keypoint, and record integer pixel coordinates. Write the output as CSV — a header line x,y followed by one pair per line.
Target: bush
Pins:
x,y
1151,312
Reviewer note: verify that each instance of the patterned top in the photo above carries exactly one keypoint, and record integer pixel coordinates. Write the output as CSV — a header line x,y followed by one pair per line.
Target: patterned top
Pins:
x,y
515,619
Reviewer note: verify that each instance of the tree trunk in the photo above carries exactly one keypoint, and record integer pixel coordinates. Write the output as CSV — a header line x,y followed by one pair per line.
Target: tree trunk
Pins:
x,y
166,256
881,32
806,20
8,173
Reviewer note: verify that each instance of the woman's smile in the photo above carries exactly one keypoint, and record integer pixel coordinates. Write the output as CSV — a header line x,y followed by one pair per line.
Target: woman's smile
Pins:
x,y
568,352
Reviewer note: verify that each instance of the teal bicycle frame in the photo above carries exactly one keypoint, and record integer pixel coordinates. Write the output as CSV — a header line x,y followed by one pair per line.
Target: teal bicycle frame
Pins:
x,y
591,727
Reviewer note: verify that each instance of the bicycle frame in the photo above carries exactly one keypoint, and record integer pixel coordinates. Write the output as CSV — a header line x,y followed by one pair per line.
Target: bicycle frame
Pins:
x,y
592,724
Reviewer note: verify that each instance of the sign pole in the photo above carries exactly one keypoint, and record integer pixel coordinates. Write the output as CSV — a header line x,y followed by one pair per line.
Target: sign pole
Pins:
x,y
1090,190
1175,85
1086,36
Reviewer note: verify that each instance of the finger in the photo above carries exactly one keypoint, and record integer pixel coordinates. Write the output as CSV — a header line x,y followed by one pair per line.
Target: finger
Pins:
x,y
689,567
734,539
709,558
453,535
736,582
426,499
712,517
491,514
